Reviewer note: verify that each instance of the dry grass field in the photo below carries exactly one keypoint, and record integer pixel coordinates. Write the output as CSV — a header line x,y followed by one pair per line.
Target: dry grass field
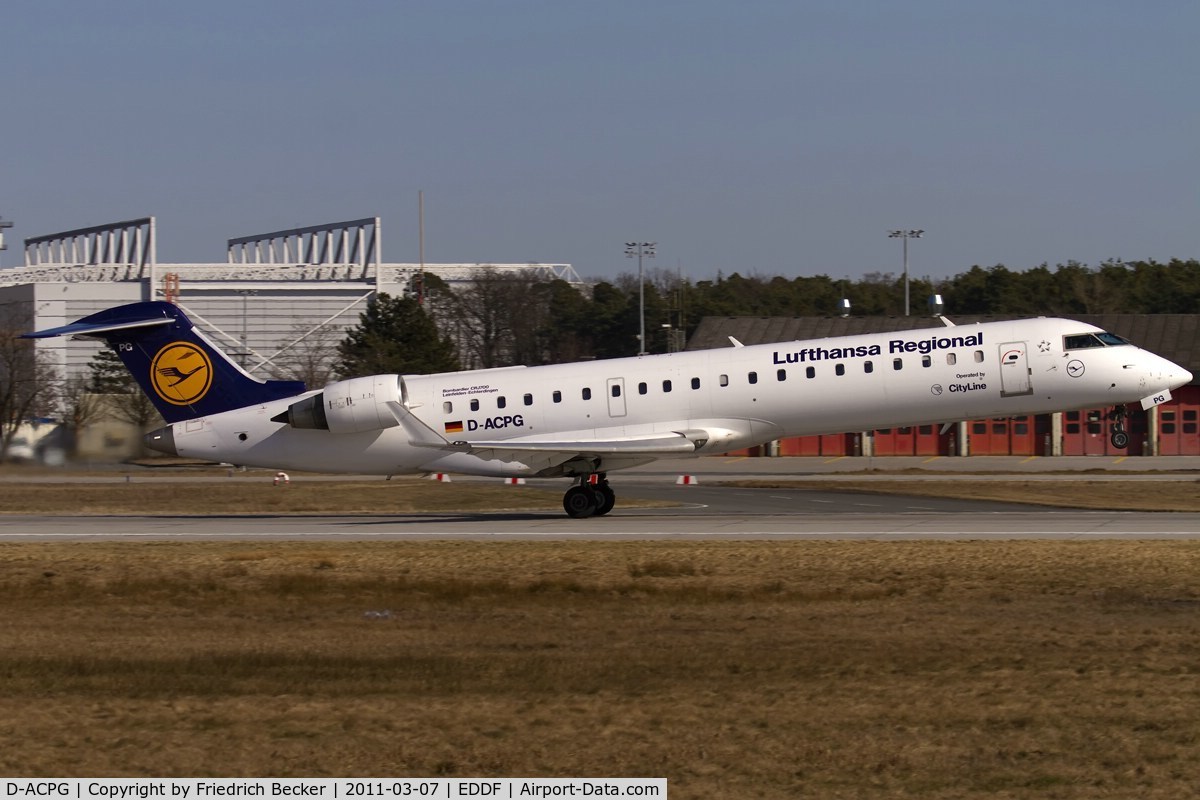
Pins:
x,y
756,669
351,496
734,669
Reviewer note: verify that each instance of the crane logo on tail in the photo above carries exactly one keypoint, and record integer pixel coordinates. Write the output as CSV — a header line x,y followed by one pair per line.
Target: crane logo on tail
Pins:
x,y
181,373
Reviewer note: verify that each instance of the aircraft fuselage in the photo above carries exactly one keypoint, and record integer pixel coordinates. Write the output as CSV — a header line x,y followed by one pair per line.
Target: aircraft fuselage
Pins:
x,y
590,417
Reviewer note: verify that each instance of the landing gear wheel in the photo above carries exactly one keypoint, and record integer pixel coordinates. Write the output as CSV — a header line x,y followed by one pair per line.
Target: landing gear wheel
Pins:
x,y
580,502
606,498
1119,438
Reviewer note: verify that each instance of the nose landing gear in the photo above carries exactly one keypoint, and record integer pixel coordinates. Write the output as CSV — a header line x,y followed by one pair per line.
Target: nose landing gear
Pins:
x,y
587,499
1119,437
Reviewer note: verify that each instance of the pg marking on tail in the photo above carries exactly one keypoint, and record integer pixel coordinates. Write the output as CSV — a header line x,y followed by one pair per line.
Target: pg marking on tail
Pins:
x,y
181,373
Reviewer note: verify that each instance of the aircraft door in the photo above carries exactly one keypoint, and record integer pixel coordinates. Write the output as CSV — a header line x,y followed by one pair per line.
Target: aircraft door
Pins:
x,y
616,397
1015,378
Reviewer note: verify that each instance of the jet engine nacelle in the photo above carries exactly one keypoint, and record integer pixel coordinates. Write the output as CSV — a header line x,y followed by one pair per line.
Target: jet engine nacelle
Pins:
x,y
354,406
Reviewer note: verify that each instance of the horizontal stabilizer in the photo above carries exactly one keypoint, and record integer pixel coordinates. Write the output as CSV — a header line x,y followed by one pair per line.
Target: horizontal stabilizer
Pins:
x,y
83,328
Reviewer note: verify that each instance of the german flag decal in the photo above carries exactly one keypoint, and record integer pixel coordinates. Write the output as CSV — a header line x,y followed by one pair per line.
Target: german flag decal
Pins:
x,y
454,427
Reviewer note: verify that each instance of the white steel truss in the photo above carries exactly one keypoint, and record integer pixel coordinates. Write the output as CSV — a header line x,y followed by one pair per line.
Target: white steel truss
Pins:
x,y
130,245
354,242
118,243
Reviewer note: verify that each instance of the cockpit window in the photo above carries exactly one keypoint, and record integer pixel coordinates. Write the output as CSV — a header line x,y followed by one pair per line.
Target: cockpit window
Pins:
x,y
1111,338
1082,341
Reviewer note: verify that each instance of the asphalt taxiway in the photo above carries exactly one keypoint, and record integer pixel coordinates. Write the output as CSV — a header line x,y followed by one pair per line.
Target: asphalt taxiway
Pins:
x,y
706,511
640,524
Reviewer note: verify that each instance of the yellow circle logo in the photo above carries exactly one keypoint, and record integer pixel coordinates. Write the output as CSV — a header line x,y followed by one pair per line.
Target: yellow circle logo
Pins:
x,y
181,373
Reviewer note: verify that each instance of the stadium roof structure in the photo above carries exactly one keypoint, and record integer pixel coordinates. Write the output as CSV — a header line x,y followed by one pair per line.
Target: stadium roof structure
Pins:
x,y
342,251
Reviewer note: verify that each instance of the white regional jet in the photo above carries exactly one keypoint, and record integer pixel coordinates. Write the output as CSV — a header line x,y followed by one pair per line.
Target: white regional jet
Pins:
x,y
584,420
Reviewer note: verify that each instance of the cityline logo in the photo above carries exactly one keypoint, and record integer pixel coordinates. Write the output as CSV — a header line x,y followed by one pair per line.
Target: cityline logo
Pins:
x,y
181,373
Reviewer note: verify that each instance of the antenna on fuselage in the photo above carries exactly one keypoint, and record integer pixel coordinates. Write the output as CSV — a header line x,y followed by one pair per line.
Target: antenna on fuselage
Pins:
x,y
936,307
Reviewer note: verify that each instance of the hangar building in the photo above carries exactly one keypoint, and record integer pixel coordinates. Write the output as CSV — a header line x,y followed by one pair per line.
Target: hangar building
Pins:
x,y
279,298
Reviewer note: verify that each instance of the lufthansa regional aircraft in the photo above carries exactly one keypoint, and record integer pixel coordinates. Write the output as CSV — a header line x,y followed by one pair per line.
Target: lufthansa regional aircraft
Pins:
x,y
584,420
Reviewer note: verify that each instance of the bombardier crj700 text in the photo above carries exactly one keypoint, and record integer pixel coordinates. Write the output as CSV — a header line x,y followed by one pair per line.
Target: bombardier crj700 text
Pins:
x,y
584,420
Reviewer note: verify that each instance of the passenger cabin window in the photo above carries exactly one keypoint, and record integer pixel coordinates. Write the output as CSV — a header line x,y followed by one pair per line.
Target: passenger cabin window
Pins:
x,y
666,386
839,369
752,377
723,380
447,407
810,372
695,383
616,390
951,359
978,356
557,396
868,366
528,399
781,374
587,393
897,363
643,388
501,402
926,361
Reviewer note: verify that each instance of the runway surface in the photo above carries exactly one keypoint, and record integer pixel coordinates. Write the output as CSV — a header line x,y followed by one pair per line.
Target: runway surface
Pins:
x,y
705,513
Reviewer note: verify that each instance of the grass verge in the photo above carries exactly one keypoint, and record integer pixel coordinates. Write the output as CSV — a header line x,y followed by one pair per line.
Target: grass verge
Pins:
x,y
152,496
755,669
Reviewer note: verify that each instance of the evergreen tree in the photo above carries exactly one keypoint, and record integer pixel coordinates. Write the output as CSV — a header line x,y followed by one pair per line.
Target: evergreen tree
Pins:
x,y
108,374
395,335
126,400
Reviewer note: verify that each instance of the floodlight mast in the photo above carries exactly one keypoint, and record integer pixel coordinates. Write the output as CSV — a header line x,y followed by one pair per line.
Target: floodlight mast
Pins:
x,y
4,224
905,235
641,249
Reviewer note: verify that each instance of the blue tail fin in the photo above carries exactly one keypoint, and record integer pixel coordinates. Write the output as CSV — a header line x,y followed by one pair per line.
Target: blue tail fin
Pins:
x,y
183,373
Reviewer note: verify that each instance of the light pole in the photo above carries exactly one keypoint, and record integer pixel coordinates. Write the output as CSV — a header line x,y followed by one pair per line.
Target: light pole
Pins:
x,y
905,235
246,295
641,249
3,225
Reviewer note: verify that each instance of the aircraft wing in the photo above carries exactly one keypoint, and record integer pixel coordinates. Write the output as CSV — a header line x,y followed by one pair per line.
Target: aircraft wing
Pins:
x,y
674,443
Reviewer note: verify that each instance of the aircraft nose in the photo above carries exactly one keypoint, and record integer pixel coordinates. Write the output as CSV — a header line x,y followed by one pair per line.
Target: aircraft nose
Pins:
x,y
1178,376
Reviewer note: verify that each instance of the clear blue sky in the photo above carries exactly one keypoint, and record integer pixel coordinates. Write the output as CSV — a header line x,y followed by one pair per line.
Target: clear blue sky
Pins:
x,y
760,137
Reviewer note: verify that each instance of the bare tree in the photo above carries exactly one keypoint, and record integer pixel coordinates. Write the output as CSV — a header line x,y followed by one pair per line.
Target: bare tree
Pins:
x,y
499,319
26,380
309,355
77,405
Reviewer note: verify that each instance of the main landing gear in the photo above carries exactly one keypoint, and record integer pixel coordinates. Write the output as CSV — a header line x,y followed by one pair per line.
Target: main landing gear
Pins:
x,y
587,499
1119,437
